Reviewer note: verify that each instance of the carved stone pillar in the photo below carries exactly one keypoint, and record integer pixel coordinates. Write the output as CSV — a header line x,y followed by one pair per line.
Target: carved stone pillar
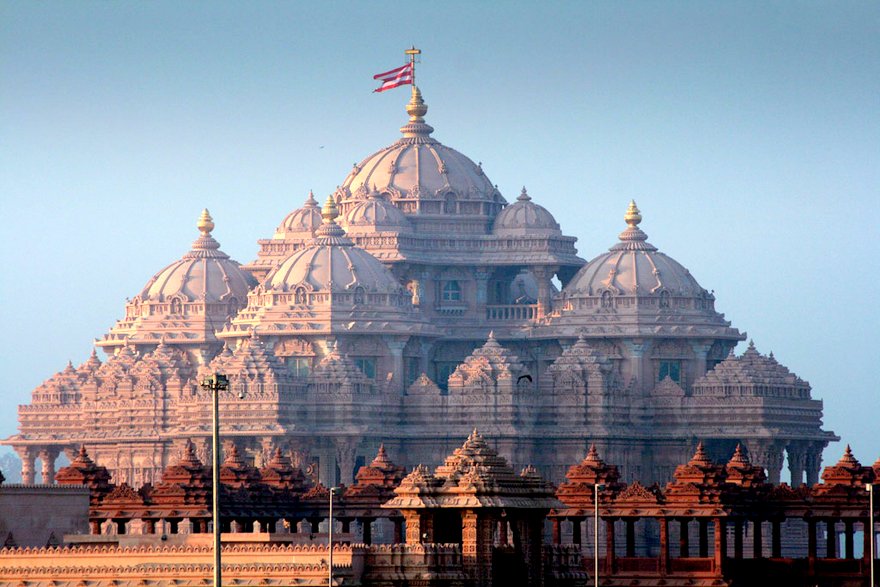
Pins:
x,y
797,460
28,457
663,563
397,375
639,368
701,350
556,533
419,527
813,464
543,275
720,545
610,556
469,550
482,279
684,546
47,458
767,454
811,544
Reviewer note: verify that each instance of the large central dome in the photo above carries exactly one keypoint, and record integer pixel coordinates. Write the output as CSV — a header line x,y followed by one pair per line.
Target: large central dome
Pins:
x,y
440,187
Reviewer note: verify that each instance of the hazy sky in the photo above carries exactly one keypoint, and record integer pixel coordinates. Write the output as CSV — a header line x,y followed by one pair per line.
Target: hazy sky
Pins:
x,y
748,133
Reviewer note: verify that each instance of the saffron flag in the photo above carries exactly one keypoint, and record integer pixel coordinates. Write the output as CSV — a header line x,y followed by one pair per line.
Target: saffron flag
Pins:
x,y
396,77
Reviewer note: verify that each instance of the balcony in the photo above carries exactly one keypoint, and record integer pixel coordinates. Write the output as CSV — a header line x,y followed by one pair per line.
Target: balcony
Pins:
x,y
512,313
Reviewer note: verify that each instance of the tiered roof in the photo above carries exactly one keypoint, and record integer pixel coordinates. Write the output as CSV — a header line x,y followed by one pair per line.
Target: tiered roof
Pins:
x,y
473,476
752,374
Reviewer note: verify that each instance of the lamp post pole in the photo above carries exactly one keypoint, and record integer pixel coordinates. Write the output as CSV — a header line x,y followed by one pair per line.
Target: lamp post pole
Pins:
x,y
596,489
216,383
330,540
870,530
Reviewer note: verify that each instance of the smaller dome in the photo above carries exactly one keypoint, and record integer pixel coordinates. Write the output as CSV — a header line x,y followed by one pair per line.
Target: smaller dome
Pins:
x,y
333,263
187,300
635,267
525,218
375,214
204,274
302,222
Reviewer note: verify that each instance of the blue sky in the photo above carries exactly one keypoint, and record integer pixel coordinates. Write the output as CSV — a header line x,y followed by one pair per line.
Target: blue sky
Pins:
x,y
748,133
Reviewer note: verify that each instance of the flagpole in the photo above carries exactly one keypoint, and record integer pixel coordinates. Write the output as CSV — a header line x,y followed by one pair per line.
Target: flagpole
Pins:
x,y
412,52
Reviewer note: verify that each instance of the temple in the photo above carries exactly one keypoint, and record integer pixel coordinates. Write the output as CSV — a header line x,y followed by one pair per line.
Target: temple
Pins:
x,y
412,305
473,521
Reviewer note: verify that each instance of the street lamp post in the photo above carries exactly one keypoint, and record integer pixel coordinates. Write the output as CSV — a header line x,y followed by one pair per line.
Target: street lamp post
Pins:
x,y
216,383
870,530
596,489
330,540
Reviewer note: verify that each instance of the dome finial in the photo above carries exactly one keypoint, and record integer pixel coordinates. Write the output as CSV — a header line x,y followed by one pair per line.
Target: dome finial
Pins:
x,y
205,223
633,215
416,108
311,201
329,212
524,195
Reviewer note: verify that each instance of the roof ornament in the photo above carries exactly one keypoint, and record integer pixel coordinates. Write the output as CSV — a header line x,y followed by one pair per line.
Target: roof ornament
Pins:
x,y
205,246
633,238
205,223
330,233
524,195
311,202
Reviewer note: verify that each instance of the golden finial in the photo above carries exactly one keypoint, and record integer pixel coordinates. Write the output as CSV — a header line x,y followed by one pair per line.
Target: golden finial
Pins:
x,y
329,212
205,223
633,216
416,108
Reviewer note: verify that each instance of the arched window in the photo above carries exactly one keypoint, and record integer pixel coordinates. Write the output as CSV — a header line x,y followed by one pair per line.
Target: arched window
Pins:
x,y
451,292
606,299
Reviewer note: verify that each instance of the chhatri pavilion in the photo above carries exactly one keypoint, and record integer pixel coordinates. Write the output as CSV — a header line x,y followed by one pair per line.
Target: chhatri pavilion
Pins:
x,y
413,305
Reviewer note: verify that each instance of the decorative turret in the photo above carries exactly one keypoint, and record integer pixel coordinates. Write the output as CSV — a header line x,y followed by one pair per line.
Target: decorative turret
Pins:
x,y
83,471
740,470
848,472
524,218
280,473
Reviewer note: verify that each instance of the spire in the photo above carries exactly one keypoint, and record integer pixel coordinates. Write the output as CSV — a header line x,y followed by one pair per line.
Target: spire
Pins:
x,y
633,238
311,202
633,215
416,130
739,459
205,246
330,233
524,195
700,457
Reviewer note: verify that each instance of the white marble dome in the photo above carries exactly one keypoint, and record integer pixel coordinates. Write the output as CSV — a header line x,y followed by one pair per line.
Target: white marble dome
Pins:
x,y
204,274
419,168
375,214
332,263
302,222
634,267
524,218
